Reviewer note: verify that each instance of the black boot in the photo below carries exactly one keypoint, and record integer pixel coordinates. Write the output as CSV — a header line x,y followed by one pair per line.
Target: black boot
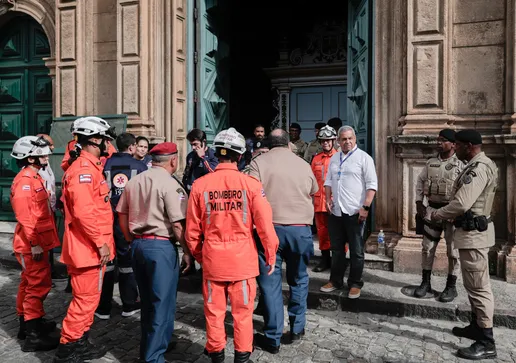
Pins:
x,y
87,350
483,348
37,339
425,286
67,353
324,262
242,357
216,357
450,291
47,326
472,331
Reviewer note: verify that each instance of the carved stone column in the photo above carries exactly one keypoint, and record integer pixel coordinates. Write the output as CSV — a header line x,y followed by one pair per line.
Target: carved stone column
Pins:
x,y
74,51
428,43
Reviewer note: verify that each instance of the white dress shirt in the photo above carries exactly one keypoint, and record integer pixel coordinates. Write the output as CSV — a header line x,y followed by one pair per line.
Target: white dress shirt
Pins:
x,y
50,184
350,176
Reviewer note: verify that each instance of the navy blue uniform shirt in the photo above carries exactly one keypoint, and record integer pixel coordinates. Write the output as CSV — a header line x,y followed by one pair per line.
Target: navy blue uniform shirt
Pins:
x,y
119,168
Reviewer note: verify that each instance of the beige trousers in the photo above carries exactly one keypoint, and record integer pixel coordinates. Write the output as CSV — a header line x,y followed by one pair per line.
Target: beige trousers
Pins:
x,y
431,237
475,273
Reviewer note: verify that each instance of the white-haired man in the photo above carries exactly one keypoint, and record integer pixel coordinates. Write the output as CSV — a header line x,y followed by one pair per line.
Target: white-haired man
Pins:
x,y
350,187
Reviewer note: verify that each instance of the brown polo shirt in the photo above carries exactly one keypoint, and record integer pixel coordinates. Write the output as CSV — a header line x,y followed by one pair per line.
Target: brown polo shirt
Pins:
x,y
153,201
289,184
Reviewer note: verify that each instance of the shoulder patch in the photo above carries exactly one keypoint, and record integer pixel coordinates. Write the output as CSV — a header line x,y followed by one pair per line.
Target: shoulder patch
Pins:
x,y
467,179
85,178
449,166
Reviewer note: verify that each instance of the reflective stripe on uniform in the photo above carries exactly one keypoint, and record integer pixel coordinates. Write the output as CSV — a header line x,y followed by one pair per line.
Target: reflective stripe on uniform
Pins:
x,y
110,268
22,259
244,289
101,277
208,207
244,198
209,291
134,172
125,270
322,171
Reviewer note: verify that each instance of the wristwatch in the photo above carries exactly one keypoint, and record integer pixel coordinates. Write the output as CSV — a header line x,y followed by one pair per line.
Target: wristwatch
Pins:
x,y
366,208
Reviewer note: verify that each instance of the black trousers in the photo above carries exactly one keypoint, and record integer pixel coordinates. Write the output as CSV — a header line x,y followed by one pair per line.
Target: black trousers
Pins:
x,y
348,229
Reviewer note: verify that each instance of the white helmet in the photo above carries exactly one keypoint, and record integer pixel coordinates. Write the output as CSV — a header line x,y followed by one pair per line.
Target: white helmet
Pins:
x,y
230,139
30,146
92,125
327,133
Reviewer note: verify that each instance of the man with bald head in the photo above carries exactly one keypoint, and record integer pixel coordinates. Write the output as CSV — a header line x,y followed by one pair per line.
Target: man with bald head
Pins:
x,y
289,184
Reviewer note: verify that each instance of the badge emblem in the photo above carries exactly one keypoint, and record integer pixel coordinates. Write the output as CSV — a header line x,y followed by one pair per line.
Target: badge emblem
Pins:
x,y
120,180
449,167
467,179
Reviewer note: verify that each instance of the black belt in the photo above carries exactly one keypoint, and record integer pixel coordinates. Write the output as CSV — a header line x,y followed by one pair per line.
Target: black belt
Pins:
x,y
436,205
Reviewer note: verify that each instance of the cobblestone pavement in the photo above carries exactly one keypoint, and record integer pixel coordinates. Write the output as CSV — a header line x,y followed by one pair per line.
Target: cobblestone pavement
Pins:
x,y
331,336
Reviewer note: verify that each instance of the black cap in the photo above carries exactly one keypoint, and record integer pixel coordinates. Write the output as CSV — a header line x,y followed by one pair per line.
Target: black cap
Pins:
x,y
471,136
295,125
260,144
448,134
319,125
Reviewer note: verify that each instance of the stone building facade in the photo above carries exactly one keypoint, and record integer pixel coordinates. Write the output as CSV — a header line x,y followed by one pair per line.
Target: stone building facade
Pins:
x,y
436,64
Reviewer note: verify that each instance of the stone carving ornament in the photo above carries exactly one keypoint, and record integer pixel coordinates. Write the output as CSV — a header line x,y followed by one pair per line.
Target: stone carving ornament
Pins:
x,y
326,44
5,6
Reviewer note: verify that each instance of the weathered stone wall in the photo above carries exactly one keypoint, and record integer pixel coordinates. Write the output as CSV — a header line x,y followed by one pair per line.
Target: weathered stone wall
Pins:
x,y
460,74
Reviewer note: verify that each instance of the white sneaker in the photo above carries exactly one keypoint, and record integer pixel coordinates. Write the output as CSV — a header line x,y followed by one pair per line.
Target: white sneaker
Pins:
x,y
127,314
103,316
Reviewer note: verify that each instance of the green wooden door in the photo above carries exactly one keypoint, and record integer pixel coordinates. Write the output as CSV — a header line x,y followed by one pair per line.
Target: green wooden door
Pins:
x,y
25,94
359,71
211,58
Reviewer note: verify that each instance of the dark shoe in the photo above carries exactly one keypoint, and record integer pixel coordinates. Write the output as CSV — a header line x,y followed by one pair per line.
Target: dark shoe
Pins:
x,y
324,262
261,342
298,336
47,326
242,357
87,350
67,353
216,357
425,286
130,310
483,348
472,331
37,339
450,291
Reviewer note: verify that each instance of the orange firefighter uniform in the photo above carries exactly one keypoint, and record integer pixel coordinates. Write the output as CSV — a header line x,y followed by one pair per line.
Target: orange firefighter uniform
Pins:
x,y
320,165
36,227
71,145
88,226
222,209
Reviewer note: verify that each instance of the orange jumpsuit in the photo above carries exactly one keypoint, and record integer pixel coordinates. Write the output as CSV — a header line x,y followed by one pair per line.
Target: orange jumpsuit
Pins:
x,y
36,226
88,226
71,145
222,209
320,165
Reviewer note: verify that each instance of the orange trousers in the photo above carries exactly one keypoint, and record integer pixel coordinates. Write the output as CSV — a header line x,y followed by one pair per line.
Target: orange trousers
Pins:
x,y
35,285
86,289
321,222
241,295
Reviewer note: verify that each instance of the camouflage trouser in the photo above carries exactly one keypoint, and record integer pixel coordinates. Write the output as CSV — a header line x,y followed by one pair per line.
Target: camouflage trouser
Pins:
x,y
431,237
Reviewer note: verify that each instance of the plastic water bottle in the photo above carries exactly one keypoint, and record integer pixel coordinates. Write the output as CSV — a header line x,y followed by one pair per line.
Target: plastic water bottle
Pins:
x,y
381,243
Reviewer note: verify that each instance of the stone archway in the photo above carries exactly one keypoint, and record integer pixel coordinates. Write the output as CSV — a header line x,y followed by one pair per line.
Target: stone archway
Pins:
x,y
43,11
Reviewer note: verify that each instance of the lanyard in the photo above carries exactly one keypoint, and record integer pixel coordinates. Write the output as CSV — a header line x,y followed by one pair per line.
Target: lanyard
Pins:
x,y
346,158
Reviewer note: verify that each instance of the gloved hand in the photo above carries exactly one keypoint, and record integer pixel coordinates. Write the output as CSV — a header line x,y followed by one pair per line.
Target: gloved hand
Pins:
x,y
37,253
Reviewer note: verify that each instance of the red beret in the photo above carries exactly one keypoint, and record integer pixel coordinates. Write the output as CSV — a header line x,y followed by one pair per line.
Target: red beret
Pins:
x,y
165,148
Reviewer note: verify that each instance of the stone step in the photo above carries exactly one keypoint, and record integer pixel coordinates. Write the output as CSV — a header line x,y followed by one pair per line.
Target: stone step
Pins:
x,y
372,261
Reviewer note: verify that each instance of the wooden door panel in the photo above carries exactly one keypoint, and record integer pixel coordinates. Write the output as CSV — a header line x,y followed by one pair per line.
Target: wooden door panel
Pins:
x,y
309,105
